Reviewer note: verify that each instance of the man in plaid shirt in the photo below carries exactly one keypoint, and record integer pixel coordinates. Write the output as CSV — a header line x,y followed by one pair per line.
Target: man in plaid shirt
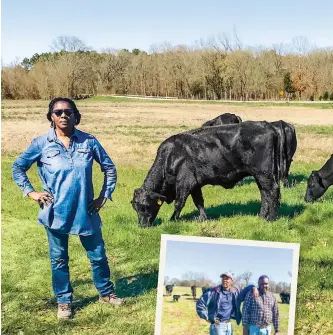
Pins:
x,y
259,313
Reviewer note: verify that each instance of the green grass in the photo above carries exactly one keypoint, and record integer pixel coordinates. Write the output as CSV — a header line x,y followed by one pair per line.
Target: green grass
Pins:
x,y
180,318
10,104
28,304
248,104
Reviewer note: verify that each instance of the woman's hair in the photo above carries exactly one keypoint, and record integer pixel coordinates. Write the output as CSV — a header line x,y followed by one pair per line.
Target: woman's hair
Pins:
x,y
77,114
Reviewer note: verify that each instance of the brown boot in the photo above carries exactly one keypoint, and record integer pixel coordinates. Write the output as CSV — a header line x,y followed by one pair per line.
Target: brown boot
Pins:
x,y
64,311
111,299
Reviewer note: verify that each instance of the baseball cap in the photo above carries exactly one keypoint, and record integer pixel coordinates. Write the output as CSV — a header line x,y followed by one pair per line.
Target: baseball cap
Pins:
x,y
228,274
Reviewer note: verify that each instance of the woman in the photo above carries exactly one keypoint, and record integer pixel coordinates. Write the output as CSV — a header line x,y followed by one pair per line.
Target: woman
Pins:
x,y
64,158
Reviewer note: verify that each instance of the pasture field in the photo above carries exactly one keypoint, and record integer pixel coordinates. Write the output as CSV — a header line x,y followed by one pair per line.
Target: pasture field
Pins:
x,y
131,133
180,318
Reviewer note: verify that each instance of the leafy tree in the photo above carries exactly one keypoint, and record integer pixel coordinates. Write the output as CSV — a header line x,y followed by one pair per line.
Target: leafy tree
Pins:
x,y
136,51
288,84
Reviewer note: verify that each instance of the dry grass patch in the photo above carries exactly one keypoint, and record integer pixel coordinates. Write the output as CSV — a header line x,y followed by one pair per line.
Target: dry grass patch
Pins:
x,y
132,132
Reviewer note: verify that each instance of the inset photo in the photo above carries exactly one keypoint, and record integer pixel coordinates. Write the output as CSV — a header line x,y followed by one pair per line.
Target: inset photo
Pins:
x,y
223,286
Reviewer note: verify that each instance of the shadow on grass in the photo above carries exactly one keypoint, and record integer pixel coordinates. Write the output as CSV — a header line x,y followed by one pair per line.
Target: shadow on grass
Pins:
x,y
82,302
135,285
250,208
293,180
125,287
157,222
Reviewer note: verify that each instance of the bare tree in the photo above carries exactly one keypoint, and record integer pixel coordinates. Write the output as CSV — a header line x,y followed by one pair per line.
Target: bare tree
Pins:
x,y
68,44
247,276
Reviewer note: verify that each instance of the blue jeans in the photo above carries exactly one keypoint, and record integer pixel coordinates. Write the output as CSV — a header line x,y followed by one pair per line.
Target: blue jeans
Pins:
x,y
221,329
255,330
94,245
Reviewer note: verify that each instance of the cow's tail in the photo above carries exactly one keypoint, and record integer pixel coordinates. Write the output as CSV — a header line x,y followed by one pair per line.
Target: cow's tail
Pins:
x,y
278,156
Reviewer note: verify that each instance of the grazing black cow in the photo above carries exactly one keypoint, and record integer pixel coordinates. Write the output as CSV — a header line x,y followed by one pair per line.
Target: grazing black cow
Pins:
x,y
285,297
205,289
319,181
176,297
288,147
226,118
221,155
194,291
286,131
169,289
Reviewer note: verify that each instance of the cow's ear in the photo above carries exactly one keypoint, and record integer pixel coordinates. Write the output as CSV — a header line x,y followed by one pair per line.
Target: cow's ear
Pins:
x,y
159,198
320,181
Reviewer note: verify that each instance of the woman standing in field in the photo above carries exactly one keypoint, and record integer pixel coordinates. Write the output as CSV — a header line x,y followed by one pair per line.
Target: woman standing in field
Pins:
x,y
64,158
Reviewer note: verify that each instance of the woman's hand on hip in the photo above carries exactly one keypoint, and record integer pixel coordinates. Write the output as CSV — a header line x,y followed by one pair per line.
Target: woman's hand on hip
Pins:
x,y
96,205
43,198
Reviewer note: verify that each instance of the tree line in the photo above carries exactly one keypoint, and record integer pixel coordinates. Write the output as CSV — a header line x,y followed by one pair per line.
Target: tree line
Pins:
x,y
214,69
200,279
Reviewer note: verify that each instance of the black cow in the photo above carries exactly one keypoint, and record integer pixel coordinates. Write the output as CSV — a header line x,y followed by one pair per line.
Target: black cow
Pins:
x,y
319,181
221,155
176,297
194,291
169,289
226,118
205,289
286,131
285,297
288,147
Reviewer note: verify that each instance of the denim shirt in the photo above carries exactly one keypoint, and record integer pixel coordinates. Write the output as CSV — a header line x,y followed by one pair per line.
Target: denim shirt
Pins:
x,y
67,175
210,304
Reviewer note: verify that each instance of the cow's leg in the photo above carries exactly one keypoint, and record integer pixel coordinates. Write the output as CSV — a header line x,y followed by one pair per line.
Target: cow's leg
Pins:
x,y
199,202
179,204
181,195
264,209
275,201
270,197
285,179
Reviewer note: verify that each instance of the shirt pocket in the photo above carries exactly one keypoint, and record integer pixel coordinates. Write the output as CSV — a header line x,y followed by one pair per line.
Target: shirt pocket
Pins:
x,y
83,153
52,153
51,157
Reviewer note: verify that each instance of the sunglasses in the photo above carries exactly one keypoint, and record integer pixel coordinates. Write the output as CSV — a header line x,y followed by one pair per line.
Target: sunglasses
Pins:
x,y
58,112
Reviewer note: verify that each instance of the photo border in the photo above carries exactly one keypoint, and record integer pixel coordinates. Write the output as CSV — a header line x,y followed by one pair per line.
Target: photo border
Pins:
x,y
214,240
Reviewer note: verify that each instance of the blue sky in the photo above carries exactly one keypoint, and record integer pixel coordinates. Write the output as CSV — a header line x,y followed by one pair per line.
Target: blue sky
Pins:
x,y
30,26
213,259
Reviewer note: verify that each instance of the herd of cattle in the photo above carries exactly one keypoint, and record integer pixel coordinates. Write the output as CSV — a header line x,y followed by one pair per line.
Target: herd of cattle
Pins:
x,y
284,296
223,152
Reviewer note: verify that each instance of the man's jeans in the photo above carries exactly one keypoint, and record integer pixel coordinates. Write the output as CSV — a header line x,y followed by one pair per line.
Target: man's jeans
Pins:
x,y
255,330
94,245
221,329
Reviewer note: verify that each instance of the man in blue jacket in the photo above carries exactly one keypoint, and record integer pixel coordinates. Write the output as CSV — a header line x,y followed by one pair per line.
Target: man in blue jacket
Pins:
x,y
221,304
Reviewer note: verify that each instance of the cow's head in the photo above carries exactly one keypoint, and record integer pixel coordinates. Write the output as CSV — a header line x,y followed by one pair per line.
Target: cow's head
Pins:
x,y
147,204
316,187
